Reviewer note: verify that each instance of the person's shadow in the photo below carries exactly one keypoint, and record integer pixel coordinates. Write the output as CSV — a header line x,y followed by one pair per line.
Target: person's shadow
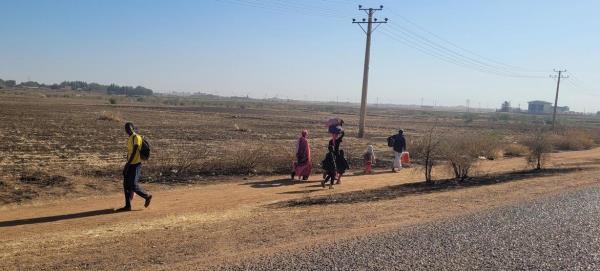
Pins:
x,y
47,219
274,183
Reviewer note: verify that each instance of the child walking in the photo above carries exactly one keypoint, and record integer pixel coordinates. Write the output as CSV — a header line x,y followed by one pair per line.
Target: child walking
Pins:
x,y
369,159
329,168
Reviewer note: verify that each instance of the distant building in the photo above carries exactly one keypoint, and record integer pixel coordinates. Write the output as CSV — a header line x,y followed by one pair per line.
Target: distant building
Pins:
x,y
505,107
539,107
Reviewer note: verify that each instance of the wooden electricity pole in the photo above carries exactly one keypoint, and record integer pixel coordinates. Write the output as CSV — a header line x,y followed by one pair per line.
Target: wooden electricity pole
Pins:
x,y
559,76
365,85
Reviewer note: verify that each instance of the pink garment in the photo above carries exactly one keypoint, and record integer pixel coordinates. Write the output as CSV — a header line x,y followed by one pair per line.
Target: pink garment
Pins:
x,y
303,152
303,164
302,170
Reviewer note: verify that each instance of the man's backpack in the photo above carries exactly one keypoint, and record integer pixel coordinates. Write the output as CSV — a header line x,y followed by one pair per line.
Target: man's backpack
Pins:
x,y
145,150
390,141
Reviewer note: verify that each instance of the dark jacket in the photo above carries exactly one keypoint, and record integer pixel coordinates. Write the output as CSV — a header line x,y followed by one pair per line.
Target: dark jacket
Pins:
x,y
341,163
337,143
329,162
399,143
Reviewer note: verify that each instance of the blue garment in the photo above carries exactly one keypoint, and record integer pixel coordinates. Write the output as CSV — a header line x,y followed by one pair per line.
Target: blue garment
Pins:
x,y
335,129
131,185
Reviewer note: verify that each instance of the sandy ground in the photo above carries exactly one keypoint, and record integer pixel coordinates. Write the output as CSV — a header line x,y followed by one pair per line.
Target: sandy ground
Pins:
x,y
200,226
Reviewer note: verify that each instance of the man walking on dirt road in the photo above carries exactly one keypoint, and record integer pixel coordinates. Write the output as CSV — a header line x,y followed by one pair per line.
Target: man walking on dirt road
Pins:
x,y
133,169
398,144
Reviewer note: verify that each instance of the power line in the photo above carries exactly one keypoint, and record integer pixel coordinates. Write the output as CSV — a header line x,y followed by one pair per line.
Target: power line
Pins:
x,y
423,29
436,53
423,42
447,50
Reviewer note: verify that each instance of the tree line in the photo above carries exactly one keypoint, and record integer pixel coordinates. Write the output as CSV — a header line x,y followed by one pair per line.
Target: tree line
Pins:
x,y
82,86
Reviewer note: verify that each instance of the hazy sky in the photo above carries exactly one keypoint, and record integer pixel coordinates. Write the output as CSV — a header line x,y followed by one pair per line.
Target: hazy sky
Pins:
x,y
311,50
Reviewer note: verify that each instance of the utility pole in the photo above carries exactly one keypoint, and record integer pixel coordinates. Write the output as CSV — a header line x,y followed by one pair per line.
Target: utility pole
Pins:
x,y
559,76
365,85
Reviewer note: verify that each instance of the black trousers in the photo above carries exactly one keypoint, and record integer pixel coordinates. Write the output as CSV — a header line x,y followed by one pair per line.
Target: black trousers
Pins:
x,y
330,176
131,185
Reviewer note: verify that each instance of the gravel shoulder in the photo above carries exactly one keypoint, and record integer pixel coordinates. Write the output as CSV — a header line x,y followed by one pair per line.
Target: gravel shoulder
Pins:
x,y
557,233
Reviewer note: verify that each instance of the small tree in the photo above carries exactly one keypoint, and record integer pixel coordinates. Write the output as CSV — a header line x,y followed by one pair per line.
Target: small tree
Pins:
x,y
426,151
539,145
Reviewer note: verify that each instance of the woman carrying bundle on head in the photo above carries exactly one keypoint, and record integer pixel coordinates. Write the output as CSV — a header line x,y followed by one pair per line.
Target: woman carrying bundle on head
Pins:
x,y
335,127
302,167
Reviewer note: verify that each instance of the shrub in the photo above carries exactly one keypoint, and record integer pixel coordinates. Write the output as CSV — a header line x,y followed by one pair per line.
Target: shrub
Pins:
x,y
515,150
112,100
110,116
539,146
468,118
463,150
573,140
426,151
247,161
504,117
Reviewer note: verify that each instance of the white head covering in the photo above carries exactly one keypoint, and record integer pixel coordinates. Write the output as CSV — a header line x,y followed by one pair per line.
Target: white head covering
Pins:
x,y
371,151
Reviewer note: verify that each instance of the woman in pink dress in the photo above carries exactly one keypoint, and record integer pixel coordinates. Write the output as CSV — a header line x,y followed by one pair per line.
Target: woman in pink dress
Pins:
x,y
303,164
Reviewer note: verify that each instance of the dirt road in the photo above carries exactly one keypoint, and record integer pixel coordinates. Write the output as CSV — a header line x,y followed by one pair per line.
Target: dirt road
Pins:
x,y
202,226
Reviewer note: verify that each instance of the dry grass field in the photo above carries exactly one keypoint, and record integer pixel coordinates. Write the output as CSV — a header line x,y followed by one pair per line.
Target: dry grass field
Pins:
x,y
56,144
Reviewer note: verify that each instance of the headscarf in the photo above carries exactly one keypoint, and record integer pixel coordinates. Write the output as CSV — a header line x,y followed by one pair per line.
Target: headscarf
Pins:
x,y
371,151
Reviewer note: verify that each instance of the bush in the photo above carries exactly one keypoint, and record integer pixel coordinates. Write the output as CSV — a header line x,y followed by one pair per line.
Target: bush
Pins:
x,y
112,100
468,118
463,150
515,150
539,146
426,151
504,117
574,140
110,116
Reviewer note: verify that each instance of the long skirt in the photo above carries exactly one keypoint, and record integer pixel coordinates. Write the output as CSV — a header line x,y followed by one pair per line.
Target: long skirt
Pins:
x,y
303,170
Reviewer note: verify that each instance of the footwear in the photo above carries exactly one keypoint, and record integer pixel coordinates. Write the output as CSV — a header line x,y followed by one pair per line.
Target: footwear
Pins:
x,y
124,209
293,175
323,183
338,182
147,203
330,186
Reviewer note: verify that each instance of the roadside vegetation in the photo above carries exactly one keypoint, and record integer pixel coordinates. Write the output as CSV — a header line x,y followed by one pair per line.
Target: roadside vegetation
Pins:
x,y
79,135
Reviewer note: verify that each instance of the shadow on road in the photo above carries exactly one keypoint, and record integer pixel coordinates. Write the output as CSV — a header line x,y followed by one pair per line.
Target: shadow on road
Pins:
x,y
275,183
47,219
301,191
401,190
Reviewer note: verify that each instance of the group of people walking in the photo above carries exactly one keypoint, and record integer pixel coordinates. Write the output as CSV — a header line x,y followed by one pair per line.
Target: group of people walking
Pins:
x,y
335,164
